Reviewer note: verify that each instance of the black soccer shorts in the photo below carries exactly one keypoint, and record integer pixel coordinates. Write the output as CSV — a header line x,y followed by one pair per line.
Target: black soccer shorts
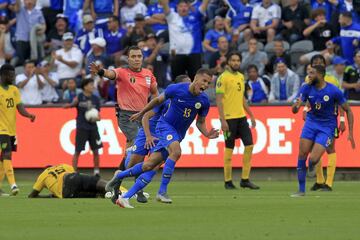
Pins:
x,y
238,128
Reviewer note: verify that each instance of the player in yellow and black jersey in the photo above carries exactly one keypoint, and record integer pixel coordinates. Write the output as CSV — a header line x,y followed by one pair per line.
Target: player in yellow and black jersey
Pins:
x,y
10,102
63,182
232,106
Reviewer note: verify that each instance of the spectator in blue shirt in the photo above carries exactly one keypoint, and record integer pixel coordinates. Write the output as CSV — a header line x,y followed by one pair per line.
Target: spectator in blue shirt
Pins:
x,y
73,10
326,5
87,33
27,17
113,36
257,88
97,53
212,36
348,6
101,10
349,36
238,19
155,17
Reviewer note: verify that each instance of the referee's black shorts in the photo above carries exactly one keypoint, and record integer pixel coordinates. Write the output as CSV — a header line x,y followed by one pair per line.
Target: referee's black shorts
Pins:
x,y
238,128
78,185
7,145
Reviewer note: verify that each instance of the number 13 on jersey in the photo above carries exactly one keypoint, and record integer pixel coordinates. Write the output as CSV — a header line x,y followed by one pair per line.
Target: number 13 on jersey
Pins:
x,y
187,112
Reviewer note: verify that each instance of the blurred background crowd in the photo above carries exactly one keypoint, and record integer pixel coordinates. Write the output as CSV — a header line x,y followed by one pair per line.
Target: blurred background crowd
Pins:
x,y
52,43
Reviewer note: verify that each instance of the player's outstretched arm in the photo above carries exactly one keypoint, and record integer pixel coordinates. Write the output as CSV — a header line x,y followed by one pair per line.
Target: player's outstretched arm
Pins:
x,y
201,125
350,118
21,109
150,140
249,112
35,194
153,103
296,106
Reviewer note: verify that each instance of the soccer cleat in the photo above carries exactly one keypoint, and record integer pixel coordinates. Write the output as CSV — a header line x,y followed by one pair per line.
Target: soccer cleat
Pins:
x,y
317,186
3,194
123,202
326,188
297,194
14,191
113,186
229,185
247,184
311,173
163,197
140,197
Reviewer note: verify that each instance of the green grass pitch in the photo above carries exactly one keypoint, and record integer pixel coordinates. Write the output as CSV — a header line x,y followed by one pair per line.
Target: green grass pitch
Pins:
x,y
200,210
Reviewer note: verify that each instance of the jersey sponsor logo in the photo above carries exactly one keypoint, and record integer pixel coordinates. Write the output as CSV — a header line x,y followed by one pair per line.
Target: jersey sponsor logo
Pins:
x,y
311,96
132,79
326,98
169,137
179,100
197,105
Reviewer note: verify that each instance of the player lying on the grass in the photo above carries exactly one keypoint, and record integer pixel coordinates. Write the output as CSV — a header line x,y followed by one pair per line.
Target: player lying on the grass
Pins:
x,y
321,121
330,173
187,100
146,138
63,182
10,102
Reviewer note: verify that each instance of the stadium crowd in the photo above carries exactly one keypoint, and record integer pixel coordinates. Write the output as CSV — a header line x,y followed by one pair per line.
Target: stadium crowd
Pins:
x,y
53,42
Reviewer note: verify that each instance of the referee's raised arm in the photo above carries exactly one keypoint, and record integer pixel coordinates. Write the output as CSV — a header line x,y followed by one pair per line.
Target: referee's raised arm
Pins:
x,y
97,70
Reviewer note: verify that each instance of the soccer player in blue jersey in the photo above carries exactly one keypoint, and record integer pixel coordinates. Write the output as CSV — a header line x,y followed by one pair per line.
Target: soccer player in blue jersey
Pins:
x,y
318,131
146,138
187,100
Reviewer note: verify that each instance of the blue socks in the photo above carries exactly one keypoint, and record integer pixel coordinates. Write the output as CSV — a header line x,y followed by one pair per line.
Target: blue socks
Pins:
x,y
134,171
168,170
301,171
140,183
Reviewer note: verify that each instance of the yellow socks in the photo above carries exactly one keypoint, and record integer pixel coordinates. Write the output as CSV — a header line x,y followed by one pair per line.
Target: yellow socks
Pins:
x,y
246,162
9,171
331,169
320,179
2,173
227,164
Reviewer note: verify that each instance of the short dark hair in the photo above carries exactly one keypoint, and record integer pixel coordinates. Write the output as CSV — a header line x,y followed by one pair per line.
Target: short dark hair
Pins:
x,y
114,18
320,69
317,56
205,71
317,12
134,47
29,61
6,68
183,1
252,66
85,82
232,54
347,14
180,78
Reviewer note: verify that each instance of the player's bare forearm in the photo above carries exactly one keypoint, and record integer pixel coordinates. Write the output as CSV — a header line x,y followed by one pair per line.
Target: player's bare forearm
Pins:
x,y
35,194
21,109
247,109
296,106
145,123
350,117
153,103
201,125
220,106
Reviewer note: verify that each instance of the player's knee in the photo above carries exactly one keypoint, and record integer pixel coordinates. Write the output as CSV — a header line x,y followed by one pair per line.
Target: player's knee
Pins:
x,y
147,166
175,154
